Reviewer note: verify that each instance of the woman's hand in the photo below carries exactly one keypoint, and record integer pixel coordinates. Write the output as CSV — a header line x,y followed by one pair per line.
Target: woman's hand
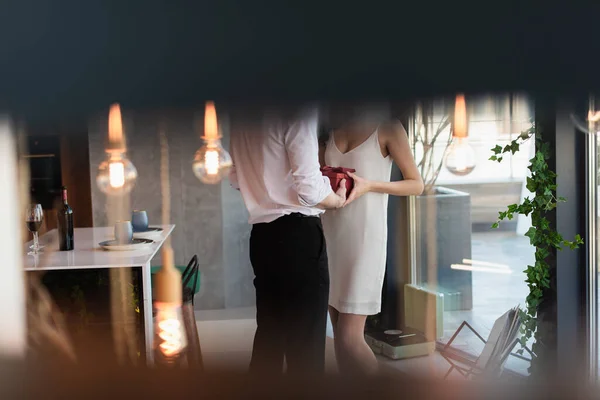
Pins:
x,y
361,186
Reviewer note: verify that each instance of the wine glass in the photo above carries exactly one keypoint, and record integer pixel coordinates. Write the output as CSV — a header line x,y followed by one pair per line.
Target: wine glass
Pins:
x,y
34,218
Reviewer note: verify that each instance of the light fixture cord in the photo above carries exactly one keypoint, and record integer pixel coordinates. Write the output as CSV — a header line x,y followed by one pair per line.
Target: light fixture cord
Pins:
x,y
164,178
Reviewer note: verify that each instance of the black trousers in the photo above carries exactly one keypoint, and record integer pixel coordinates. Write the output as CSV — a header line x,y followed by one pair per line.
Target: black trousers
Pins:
x,y
289,259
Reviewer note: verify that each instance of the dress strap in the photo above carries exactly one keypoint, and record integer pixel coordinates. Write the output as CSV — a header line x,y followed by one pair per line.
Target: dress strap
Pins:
x,y
330,139
378,144
376,136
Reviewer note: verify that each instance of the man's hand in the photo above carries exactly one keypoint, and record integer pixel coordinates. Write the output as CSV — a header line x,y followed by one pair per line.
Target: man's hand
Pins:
x,y
337,199
341,193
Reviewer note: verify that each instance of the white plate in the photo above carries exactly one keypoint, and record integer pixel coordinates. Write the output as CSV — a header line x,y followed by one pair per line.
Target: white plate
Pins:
x,y
136,244
393,332
149,233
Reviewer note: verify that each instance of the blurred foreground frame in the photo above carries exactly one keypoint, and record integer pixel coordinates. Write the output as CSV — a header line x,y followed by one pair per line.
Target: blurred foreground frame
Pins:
x,y
18,380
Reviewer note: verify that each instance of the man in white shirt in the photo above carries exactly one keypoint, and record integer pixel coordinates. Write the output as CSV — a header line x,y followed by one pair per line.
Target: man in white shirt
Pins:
x,y
276,169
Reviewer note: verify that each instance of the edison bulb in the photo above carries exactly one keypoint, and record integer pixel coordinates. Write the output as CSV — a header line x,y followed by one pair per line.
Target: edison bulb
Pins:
x,y
116,174
169,329
212,163
460,159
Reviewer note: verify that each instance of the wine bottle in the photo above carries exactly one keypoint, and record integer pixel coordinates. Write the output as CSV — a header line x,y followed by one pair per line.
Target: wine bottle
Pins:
x,y
65,224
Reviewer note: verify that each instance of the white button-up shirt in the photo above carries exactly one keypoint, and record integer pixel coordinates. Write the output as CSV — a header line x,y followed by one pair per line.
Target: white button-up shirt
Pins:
x,y
276,165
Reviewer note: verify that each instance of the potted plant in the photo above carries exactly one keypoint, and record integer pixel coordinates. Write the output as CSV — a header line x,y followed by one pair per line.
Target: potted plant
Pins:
x,y
443,215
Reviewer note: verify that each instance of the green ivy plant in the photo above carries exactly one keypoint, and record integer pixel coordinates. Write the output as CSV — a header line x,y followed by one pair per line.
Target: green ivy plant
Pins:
x,y
85,316
545,239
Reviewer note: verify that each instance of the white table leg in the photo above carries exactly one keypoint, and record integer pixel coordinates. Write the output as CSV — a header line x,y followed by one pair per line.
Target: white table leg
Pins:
x,y
147,306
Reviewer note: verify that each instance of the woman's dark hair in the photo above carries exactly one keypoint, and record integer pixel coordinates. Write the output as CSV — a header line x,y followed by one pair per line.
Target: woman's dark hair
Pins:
x,y
397,112
323,133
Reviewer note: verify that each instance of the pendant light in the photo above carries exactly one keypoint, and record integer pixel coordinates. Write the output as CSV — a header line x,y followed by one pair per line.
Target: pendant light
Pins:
x,y
116,174
460,158
170,338
212,163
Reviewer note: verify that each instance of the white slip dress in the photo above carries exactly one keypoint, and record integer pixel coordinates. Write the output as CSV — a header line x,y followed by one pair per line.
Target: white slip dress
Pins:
x,y
356,235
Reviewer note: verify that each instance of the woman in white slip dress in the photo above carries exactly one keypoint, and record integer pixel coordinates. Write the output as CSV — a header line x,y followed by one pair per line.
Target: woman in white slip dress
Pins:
x,y
356,235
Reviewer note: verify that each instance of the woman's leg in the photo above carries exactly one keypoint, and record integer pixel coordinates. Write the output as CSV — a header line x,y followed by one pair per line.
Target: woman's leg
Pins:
x,y
352,351
333,315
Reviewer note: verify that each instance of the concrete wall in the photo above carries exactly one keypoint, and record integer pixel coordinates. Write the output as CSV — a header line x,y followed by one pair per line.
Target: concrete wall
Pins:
x,y
211,219
238,275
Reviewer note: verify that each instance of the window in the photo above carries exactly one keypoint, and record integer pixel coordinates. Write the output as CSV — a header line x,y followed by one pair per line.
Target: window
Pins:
x,y
478,270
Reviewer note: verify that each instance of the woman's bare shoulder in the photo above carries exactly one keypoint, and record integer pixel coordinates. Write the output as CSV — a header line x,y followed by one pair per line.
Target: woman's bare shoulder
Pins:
x,y
392,130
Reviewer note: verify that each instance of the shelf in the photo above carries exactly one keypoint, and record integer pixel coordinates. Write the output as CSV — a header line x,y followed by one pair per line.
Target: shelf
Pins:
x,y
39,156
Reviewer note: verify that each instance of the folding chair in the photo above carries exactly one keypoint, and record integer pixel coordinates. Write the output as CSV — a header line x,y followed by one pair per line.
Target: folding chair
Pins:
x,y
187,273
499,345
191,271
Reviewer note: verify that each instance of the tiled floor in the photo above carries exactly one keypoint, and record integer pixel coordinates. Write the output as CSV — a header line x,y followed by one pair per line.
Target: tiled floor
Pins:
x,y
226,341
493,293
226,335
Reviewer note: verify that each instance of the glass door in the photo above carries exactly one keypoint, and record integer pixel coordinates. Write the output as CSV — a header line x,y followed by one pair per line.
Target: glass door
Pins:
x,y
475,271
592,169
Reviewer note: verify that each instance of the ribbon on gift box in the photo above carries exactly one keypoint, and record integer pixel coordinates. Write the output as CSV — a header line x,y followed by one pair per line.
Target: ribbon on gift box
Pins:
x,y
336,174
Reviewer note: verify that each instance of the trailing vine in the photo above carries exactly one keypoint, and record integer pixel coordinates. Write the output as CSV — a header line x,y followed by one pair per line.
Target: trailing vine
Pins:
x,y
545,239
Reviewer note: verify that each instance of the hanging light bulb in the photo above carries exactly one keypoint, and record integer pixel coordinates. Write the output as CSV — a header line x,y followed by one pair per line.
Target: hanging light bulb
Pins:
x,y
211,162
460,158
116,174
170,337
592,123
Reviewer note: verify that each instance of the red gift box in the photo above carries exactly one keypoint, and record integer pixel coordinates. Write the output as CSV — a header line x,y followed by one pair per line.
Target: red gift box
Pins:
x,y
336,174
